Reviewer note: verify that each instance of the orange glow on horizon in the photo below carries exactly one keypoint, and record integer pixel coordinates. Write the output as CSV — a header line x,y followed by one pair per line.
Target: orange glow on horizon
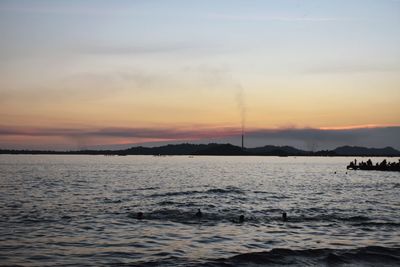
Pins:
x,y
353,127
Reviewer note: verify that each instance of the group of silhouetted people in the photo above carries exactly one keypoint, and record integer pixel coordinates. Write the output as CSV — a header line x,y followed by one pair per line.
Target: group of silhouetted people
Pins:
x,y
199,215
368,165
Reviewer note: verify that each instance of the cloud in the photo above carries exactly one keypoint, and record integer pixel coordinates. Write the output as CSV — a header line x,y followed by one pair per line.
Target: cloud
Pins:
x,y
88,86
314,139
306,138
261,18
354,67
211,76
111,132
60,9
136,49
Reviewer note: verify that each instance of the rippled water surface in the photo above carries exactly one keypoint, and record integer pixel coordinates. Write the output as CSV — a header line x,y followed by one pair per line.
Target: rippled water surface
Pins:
x,y
81,210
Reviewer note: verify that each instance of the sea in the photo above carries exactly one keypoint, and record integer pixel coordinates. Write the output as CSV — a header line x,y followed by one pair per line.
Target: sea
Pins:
x,y
66,210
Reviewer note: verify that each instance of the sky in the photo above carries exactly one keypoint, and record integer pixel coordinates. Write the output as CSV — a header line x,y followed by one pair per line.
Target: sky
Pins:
x,y
79,74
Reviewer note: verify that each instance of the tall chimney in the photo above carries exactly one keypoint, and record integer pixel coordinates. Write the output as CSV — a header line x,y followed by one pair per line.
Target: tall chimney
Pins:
x,y
242,141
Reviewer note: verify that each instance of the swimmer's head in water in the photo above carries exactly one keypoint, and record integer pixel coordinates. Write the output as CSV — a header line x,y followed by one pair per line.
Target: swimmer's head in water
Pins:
x,y
199,214
284,216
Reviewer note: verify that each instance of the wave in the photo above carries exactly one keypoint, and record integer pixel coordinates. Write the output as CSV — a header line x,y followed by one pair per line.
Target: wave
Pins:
x,y
366,256
178,193
146,188
187,216
377,224
329,218
227,190
380,256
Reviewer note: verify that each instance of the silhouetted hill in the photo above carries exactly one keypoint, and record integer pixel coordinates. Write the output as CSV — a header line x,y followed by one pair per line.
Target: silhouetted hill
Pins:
x,y
222,150
363,151
181,149
277,151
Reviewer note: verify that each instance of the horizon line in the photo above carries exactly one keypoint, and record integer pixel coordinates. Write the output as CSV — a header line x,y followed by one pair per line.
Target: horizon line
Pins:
x,y
84,137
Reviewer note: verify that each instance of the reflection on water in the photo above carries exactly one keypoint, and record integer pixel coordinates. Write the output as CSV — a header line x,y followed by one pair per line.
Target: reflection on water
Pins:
x,y
82,210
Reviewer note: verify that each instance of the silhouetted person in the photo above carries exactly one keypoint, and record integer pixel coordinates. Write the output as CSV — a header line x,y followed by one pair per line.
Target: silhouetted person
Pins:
x,y
241,218
139,215
284,216
383,163
199,214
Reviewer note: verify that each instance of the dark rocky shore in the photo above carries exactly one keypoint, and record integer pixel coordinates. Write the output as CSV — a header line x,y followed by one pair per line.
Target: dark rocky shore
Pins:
x,y
368,165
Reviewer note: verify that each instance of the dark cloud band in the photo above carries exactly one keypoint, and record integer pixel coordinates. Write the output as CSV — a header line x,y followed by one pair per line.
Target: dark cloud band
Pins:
x,y
308,137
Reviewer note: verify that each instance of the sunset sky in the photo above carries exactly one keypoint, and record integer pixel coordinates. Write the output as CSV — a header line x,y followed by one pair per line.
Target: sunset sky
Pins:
x,y
76,74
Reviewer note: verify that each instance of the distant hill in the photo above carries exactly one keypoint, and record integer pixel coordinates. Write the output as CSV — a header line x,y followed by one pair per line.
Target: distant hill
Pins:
x,y
277,151
363,151
181,149
186,149
214,149
222,150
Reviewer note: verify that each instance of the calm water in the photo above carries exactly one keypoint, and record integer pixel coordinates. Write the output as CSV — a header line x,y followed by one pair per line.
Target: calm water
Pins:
x,y
81,210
